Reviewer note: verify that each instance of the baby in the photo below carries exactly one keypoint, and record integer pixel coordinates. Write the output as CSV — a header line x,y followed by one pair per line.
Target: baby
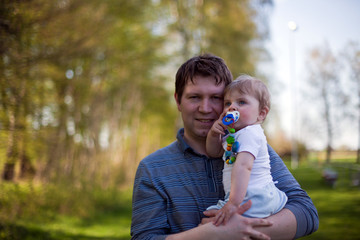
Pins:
x,y
238,136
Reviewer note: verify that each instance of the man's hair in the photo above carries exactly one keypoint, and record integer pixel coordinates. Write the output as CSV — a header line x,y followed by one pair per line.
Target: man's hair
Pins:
x,y
246,84
204,65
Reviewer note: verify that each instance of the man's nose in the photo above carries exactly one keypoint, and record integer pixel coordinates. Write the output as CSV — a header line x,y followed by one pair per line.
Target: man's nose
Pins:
x,y
205,106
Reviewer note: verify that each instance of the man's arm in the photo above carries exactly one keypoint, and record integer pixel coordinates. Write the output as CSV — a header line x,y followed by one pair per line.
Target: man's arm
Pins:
x,y
237,228
149,220
283,225
299,204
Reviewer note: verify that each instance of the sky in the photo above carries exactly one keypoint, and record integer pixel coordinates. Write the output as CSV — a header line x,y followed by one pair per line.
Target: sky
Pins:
x,y
318,21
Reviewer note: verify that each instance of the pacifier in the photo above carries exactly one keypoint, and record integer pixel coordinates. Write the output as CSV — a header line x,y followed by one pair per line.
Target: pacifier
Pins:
x,y
231,117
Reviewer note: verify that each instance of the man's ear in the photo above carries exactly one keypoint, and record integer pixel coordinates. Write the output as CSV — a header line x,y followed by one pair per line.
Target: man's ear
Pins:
x,y
177,101
263,113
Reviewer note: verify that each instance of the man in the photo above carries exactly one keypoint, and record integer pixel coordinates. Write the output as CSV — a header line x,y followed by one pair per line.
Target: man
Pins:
x,y
174,185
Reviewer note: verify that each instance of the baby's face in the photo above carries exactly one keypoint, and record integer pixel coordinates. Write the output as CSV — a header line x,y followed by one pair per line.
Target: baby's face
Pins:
x,y
247,106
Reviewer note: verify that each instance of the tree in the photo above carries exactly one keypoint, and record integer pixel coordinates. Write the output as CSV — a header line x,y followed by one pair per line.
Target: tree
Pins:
x,y
84,84
32,45
324,70
16,59
236,30
232,29
351,56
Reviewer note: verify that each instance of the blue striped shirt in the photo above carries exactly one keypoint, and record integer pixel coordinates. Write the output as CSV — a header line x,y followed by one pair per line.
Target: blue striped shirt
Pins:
x,y
174,185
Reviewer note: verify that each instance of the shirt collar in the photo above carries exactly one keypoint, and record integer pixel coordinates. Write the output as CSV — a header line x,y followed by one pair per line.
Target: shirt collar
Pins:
x,y
183,145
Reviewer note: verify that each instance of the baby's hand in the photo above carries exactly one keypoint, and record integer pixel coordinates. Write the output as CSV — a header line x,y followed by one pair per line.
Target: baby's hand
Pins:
x,y
225,213
218,128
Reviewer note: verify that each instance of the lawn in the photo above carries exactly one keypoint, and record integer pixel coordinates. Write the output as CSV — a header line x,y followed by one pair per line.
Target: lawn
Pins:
x,y
109,220
338,207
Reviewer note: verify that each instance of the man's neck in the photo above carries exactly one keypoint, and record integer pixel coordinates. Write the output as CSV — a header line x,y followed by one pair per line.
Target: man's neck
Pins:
x,y
198,144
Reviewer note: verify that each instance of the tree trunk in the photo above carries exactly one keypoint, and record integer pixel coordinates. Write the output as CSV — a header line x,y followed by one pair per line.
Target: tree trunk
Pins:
x,y
27,171
328,125
9,172
358,149
12,149
57,149
328,154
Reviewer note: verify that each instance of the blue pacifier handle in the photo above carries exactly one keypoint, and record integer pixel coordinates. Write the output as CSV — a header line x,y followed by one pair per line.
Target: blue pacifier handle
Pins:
x,y
228,119
231,117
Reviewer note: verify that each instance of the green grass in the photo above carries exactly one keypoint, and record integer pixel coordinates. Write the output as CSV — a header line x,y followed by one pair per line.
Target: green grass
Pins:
x,y
106,225
338,207
31,213
108,219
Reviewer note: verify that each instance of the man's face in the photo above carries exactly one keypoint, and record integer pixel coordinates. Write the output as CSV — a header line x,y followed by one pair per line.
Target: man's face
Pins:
x,y
200,106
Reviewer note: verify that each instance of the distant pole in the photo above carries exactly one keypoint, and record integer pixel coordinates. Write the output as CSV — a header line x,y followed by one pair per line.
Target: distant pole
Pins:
x,y
292,56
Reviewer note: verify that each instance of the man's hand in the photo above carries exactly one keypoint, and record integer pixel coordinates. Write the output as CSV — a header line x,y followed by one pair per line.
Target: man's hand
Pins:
x,y
240,227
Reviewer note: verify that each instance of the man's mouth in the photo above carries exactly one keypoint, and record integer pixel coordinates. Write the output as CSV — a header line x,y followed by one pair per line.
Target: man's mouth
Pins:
x,y
205,120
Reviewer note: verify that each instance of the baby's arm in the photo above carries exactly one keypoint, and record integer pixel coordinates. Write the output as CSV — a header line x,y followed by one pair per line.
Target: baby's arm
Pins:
x,y
213,141
240,176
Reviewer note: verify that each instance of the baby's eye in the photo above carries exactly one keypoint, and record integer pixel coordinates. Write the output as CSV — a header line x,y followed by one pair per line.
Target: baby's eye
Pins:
x,y
242,102
226,104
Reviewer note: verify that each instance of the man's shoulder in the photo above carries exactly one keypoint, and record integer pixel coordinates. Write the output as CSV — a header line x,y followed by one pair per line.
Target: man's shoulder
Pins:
x,y
162,153
162,161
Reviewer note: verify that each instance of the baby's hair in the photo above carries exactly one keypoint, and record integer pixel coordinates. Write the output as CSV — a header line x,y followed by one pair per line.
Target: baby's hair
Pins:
x,y
247,84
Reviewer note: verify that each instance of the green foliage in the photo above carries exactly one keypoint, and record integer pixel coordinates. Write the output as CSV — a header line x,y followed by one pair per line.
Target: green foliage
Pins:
x,y
86,86
69,69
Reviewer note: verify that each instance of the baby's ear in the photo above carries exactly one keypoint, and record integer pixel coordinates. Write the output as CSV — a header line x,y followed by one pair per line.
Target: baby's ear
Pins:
x,y
263,113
